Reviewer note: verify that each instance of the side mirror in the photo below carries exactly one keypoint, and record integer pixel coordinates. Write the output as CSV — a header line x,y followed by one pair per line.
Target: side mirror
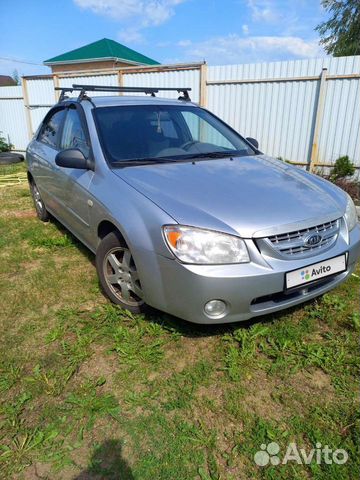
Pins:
x,y
253,142
72,158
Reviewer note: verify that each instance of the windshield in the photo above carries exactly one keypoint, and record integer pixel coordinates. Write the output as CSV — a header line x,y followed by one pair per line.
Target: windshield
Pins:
x,y
169,132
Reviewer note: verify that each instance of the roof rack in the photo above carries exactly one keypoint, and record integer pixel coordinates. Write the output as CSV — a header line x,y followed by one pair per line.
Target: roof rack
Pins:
x,y
64,91
106,88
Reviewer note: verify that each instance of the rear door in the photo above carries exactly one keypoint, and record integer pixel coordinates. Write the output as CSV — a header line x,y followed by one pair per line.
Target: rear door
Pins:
x,y
75,183
43,152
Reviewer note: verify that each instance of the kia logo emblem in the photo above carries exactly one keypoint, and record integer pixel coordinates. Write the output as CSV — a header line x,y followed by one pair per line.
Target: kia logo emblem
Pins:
x,y
312,240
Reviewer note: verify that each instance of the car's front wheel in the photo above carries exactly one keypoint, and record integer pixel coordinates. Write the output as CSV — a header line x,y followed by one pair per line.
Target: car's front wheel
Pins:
x,y
118,274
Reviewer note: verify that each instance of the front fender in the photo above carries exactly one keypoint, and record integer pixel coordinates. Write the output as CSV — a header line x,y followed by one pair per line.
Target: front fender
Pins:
x,y
138,219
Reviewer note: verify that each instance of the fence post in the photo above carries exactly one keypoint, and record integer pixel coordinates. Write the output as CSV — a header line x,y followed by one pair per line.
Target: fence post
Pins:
x,y
318,120
56,85
203,85
120,80
27,109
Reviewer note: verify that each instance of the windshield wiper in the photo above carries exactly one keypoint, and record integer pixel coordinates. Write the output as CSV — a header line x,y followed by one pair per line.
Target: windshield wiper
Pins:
x,y
214,154
184,158
143,161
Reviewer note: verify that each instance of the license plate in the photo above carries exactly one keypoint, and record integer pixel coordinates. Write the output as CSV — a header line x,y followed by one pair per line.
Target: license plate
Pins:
x,y
308,274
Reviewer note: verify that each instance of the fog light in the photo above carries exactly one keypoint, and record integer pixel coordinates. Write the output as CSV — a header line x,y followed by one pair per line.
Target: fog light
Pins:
x,y
215,308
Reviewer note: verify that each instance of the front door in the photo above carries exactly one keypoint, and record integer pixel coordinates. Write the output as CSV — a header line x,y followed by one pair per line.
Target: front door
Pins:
x,y
75,183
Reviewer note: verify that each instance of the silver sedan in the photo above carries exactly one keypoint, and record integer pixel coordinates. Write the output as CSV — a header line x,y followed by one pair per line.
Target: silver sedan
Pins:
x,y
184,214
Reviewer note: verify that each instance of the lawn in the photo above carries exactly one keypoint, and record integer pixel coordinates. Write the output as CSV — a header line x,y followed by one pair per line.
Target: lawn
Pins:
x,y
89,391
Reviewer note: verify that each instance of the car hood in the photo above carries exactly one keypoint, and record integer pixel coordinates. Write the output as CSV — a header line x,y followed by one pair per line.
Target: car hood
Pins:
x,y
250,196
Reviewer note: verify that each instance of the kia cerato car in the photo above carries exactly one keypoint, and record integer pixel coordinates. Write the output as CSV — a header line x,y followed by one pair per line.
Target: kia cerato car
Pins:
x,y
184,214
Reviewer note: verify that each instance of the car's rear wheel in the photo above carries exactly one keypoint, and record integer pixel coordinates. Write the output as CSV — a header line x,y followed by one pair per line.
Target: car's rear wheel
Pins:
x,y
118,274
39,204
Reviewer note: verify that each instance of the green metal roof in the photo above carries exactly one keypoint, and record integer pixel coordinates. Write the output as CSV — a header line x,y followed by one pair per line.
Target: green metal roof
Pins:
x,y
102,49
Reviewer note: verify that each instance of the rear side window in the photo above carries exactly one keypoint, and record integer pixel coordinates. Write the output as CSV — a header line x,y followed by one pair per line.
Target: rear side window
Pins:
x,y
50,131
73,135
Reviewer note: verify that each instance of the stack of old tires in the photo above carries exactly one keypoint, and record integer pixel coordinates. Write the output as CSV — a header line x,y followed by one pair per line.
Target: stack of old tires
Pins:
x,y
7,158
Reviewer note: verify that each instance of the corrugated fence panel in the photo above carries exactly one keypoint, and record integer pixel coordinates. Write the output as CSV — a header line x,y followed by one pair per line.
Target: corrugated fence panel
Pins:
x,y
281,114
181,78
41,91
110,80
11,92
41,95
12,117
340,132
277,114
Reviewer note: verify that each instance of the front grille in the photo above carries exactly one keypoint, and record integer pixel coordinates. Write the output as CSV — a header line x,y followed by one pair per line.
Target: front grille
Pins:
x,y
292,244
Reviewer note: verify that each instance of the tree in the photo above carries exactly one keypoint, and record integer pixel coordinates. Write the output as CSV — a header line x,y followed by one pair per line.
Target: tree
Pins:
x,y
16,77
340,35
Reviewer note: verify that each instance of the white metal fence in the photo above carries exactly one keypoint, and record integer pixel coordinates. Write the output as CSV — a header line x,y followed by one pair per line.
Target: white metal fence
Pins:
x,y
280,103
12,116
306,111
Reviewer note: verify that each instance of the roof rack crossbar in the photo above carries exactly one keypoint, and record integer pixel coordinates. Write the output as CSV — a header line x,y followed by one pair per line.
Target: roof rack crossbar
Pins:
x,y
146,90
108,88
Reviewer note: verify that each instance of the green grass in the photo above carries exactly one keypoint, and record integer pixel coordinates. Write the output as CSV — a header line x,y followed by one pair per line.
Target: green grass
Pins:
x,y
91,391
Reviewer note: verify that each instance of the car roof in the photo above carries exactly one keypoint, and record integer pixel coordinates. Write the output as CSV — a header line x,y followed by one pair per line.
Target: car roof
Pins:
x,y
118,100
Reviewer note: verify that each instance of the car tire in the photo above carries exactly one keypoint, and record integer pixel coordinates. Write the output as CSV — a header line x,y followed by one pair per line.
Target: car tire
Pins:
x,y
118,275
39,204
8,158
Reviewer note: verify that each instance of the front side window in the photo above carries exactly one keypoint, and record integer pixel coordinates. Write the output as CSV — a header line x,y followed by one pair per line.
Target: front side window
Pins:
x,y
73,135
50,131
141,132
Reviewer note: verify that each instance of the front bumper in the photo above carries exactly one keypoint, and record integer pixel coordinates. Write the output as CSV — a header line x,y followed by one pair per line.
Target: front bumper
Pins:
x,y
249,290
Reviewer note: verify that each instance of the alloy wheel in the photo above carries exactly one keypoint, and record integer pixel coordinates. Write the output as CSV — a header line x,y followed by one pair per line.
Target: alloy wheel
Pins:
x,y
121,276
39,205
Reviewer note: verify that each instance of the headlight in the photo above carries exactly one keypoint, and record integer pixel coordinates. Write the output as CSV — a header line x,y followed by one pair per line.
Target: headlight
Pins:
x,y
196,245
350,214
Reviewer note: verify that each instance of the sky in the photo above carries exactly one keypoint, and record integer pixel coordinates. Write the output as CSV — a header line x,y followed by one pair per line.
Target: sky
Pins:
x,y
169,31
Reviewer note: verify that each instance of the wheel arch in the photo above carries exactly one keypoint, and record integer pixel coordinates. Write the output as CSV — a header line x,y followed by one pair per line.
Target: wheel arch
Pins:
x,y
107,226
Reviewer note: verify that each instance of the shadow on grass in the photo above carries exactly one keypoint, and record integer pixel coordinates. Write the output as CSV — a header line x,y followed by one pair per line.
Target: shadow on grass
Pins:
x,y
74,240
107,462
